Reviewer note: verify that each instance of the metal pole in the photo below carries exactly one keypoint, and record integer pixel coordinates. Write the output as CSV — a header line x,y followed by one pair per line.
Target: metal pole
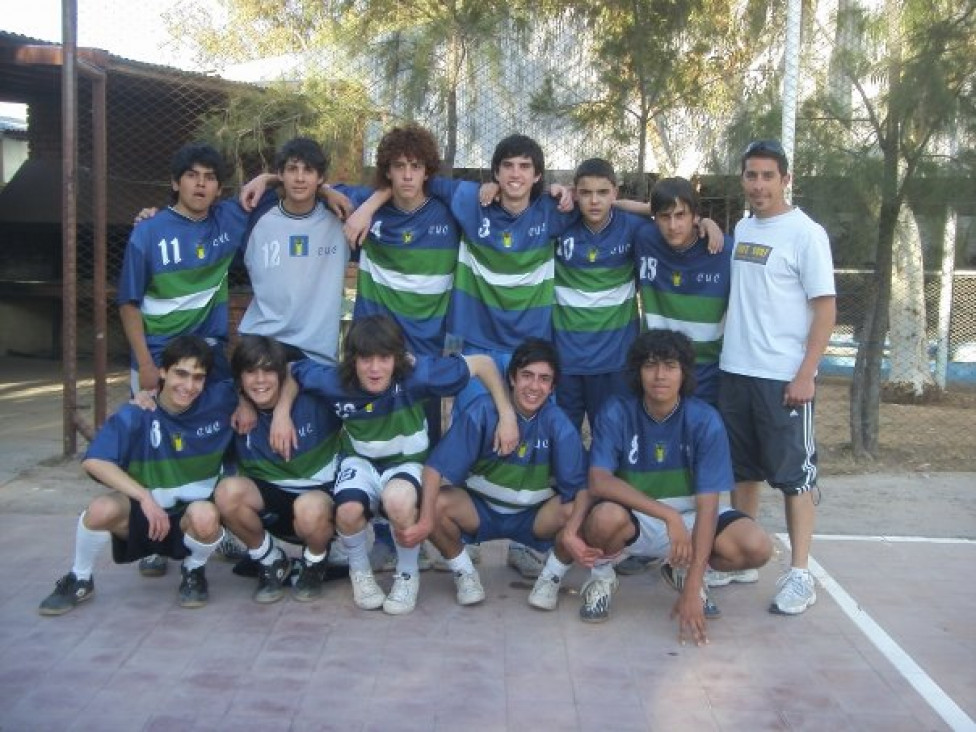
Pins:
x,y
794,17
99,217
69,223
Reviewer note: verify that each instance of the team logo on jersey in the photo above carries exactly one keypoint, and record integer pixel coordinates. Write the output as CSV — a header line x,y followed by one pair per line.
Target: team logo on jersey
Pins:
x,y
659,451
298,245
507,239
676,279
201,250
407,237
591,254
177,439
369,408
522,449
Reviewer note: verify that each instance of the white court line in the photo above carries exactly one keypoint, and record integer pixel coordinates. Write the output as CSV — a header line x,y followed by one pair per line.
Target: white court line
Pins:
x,y
943,705
892,539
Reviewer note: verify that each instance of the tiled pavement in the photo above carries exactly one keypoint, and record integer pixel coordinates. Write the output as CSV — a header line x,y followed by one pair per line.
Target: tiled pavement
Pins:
x,y
132,659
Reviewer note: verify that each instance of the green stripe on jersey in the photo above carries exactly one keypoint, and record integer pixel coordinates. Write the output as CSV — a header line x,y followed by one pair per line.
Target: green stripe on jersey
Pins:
x,y
516,298
414,305
691,308
179,283
508,262
660,484
593,320
306,465
173,473
593,279
412,260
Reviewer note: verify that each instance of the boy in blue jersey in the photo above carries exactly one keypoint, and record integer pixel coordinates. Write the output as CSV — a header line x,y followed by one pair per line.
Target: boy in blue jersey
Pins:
x,y
658,462
162,466
379,392
595,311
526,496
174,272
289,499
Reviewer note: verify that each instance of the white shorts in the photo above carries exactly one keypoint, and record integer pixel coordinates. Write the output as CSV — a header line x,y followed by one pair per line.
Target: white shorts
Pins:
x,y
653,541
360,481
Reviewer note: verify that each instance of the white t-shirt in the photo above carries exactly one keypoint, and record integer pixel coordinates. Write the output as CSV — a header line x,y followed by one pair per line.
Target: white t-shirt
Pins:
x,y
778,265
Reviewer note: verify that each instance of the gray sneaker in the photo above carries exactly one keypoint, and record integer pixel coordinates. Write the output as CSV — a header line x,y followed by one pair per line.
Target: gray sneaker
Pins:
x,y
193,587
715,578
68,592
796,593
527,562
153,566
676,578
231,549
365,592
271,579
597,593
403,595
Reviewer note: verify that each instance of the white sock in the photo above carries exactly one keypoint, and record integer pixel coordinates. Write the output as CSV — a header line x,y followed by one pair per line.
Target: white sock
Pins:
x,y
267,553
355,546
88,544
461,563
312,558
199,552
554,567
603,569
407,559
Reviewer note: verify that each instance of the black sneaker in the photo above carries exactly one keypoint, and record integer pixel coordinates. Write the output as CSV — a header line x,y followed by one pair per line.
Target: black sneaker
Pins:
x,y
193,588
271,579
68,592
308,585
154,565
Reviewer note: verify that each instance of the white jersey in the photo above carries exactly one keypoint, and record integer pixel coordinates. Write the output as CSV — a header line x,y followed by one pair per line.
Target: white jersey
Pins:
x,y
297,266
778,265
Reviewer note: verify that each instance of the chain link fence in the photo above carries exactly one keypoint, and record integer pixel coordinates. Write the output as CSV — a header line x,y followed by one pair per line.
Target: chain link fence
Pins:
x,y
348,103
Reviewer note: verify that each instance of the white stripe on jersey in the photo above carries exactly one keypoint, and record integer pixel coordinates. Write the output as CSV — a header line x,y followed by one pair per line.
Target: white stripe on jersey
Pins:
x,y
198,491
697,332
165,306
536,277
412,283
525,498
399,445
570,298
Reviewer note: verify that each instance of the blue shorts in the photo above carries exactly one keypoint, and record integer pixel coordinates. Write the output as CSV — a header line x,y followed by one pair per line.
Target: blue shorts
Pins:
x,y
493,524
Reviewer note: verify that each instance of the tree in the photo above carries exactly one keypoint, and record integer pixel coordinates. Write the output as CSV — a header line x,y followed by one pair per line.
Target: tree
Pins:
x,y
913,72
660,68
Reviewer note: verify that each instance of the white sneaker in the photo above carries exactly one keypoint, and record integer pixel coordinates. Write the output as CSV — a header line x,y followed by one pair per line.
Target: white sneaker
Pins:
x,y
527,562
545,592
597,593
365,592
715,578
469,589
403,595
796,593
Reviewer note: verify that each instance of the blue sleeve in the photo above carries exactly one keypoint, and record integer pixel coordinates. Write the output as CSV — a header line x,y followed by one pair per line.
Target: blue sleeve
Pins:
x,y
356,194
557,221
605,448
136,266
463,443
317,379
113,442
443,189
441,376
569,458
712,459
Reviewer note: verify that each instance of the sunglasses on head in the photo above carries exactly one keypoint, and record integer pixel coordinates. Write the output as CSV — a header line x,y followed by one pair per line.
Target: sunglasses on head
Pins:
x,y
774,147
